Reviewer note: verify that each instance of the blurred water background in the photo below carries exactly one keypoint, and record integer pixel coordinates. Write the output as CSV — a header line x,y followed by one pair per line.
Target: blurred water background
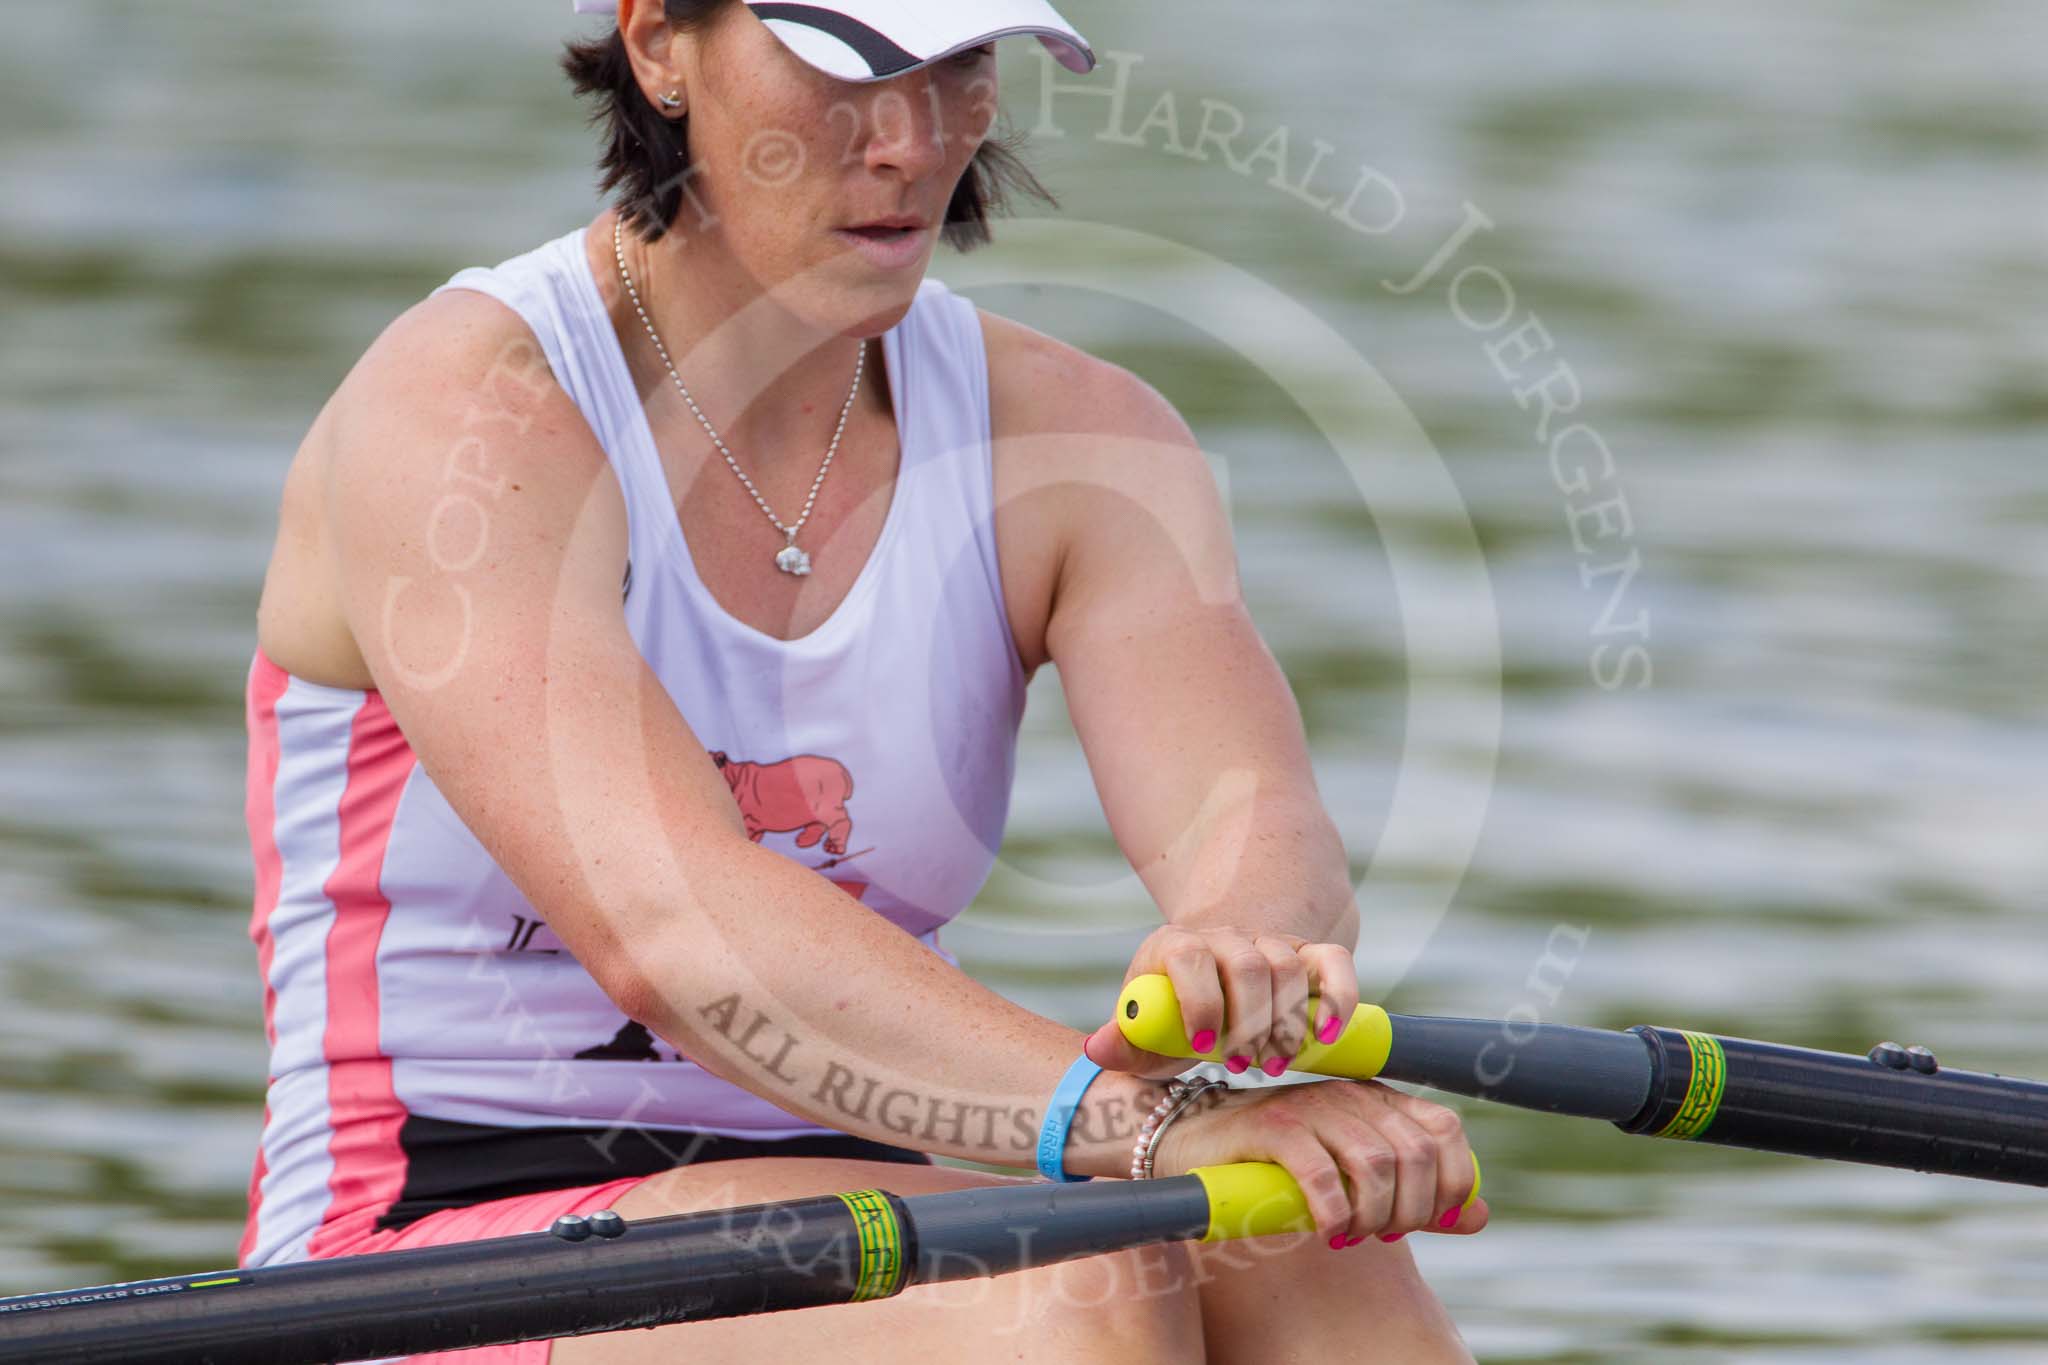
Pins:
x,y
1795,260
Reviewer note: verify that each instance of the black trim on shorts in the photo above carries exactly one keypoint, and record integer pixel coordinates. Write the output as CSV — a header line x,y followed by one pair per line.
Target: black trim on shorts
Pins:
x,y
454,1165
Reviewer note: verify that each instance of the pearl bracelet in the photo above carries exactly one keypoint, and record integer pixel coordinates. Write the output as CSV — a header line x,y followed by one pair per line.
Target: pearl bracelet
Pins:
x,y
1179,1098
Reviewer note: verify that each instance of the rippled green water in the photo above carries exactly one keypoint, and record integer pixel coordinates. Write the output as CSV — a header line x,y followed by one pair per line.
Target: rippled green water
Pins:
x,y
1794,260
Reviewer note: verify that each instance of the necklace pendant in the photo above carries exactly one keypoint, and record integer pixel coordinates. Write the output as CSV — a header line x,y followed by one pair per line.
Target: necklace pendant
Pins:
x,y
791,560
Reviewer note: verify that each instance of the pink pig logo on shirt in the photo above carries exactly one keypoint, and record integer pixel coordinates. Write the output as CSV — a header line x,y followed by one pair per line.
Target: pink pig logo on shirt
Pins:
x,y
806,794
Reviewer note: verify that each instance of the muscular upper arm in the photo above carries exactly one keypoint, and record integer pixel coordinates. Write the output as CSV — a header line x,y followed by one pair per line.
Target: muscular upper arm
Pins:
x,y
1095,474
1184,715
479,541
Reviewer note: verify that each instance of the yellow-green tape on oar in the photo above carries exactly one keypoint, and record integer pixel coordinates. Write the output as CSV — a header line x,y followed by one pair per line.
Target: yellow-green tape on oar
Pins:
x,y
1148,1013
882,1267
1709,1080
1259,1199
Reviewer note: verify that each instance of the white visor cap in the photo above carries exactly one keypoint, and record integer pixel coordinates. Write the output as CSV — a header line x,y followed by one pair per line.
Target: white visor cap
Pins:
x,y
872,40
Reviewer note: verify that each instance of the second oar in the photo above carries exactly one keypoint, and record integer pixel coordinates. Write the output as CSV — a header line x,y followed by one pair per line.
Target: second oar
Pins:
x,y
1894,1107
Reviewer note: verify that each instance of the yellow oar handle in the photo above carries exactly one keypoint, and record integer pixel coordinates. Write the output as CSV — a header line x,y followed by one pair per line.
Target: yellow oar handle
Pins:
x,y
1258,1199
1149,1015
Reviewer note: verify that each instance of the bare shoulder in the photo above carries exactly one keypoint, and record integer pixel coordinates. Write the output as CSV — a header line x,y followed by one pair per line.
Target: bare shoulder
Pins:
x,y
1039,384
1060,416
459,361
1091,462
452,432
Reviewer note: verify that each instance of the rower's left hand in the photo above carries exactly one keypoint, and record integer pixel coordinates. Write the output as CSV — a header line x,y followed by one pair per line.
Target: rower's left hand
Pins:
x,y
1259,983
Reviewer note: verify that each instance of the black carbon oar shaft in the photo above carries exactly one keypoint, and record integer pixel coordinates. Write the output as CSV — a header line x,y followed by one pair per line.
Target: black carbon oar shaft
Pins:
x,y
645,1273
441,1298
1740,1093
1588,1073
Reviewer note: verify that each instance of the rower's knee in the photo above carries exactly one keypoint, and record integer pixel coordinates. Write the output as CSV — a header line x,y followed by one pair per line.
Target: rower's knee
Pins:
x,y
1141,1304
1292,1295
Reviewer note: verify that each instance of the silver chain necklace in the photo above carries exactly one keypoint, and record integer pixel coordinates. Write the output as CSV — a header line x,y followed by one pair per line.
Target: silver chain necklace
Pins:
x,y
789,558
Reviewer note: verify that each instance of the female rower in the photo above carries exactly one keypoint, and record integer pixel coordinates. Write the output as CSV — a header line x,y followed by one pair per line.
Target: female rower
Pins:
x,y
639,671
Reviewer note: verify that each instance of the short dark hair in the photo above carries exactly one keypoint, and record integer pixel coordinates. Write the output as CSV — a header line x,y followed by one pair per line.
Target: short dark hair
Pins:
x,y
646,158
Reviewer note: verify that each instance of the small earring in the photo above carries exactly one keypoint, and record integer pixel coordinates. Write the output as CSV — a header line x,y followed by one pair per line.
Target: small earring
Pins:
x,y
670,101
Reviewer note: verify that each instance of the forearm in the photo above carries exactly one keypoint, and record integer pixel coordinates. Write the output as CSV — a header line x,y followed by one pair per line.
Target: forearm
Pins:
x,y
1263,863
771,978
1199,754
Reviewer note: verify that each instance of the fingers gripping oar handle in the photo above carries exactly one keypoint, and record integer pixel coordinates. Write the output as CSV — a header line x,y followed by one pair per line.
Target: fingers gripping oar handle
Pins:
x,y
1252,1199
1148,1012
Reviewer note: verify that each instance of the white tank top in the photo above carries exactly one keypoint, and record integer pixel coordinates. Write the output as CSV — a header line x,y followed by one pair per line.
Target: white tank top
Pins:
x,y
410,986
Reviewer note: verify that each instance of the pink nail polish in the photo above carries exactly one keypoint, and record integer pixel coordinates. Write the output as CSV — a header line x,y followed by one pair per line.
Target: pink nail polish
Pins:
x,y
1353,1241
1337,1242
1450,1218
1329,1031
1273,1066
1236,1065
1204,1041
1392,1236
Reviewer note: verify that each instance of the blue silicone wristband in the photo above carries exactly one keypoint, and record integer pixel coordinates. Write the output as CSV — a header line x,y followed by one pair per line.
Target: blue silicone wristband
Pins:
x,y
1059,1116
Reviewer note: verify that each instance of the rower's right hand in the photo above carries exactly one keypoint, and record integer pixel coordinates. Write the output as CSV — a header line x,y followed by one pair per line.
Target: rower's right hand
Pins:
x,y
1371,1160
1249,990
